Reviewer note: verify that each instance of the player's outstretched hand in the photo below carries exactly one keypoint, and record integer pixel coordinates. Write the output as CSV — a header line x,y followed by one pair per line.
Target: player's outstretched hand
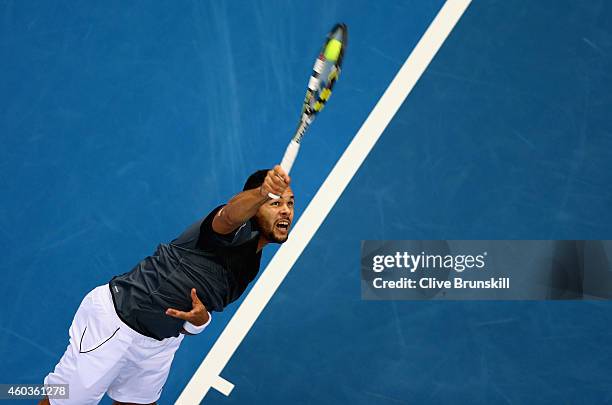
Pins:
x,y
198,315
276,182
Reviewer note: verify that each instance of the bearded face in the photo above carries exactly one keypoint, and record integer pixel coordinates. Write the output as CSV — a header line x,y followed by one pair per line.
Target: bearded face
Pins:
x,y
274,218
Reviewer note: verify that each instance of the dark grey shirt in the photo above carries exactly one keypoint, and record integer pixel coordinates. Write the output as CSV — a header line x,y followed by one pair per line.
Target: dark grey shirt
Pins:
x,y
219,267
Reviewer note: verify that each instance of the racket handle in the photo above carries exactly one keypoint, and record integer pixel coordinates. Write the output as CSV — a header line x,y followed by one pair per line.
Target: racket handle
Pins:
x,y
290,154
288,159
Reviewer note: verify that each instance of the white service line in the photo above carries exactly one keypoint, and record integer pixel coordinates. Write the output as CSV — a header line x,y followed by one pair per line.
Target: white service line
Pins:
x,y
208,374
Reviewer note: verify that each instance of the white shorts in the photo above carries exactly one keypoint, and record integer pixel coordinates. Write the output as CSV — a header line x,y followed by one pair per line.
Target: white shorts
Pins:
x,y
106,356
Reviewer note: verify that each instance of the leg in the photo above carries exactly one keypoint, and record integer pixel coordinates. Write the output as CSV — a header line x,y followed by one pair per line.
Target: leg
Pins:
x,y
143,378
94,357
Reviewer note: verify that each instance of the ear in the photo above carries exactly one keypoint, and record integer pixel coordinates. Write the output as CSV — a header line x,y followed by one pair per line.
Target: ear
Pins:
x,y
257,220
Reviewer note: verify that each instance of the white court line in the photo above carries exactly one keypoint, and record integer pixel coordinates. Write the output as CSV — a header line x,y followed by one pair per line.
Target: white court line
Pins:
x,y
208,374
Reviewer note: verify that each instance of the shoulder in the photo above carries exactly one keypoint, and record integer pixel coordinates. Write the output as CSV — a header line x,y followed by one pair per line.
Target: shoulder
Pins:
x,y
209,238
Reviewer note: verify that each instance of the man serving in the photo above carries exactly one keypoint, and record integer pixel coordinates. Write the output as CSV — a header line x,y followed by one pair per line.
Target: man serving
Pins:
x,y
125,333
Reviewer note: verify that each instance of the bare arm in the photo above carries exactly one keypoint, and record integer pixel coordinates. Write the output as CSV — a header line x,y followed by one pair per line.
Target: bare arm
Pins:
x,y
244,205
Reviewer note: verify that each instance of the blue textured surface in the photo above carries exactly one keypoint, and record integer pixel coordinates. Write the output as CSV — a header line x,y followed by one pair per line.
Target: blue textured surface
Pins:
x,y
121,123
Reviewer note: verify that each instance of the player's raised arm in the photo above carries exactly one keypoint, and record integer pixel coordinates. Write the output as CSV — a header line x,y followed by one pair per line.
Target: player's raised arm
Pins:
x,y
244,205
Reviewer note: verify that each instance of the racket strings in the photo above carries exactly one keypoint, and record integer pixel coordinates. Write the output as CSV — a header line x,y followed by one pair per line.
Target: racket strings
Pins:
x,y
325,73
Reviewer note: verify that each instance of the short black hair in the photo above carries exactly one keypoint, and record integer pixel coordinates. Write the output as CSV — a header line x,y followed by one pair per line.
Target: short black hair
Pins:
x,y
255,180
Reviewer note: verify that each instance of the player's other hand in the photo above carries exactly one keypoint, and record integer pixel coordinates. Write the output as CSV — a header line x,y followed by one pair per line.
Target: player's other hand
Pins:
x,y
276,182
198,315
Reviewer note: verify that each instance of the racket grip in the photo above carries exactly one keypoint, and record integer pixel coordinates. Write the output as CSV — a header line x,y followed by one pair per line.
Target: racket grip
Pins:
x,y
288,159
290,154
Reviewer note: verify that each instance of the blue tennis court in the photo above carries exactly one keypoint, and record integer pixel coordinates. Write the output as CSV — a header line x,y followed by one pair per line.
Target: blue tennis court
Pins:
x,y
123,123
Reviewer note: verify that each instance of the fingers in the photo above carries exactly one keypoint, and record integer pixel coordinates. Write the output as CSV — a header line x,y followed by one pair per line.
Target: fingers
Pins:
x,y
175,313
281,174
198,314
195,301
276,181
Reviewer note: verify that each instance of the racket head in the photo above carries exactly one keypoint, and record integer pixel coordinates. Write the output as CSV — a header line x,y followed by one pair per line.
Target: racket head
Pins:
x,y
325,73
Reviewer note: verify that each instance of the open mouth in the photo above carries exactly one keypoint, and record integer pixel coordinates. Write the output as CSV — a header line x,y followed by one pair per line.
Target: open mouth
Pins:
x,y
283,225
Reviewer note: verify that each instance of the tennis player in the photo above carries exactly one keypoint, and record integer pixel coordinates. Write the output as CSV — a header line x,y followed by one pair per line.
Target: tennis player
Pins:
x,y
125,333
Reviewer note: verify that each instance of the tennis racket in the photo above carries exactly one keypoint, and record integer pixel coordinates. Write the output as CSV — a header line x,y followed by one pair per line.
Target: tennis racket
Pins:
x,y
325,73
